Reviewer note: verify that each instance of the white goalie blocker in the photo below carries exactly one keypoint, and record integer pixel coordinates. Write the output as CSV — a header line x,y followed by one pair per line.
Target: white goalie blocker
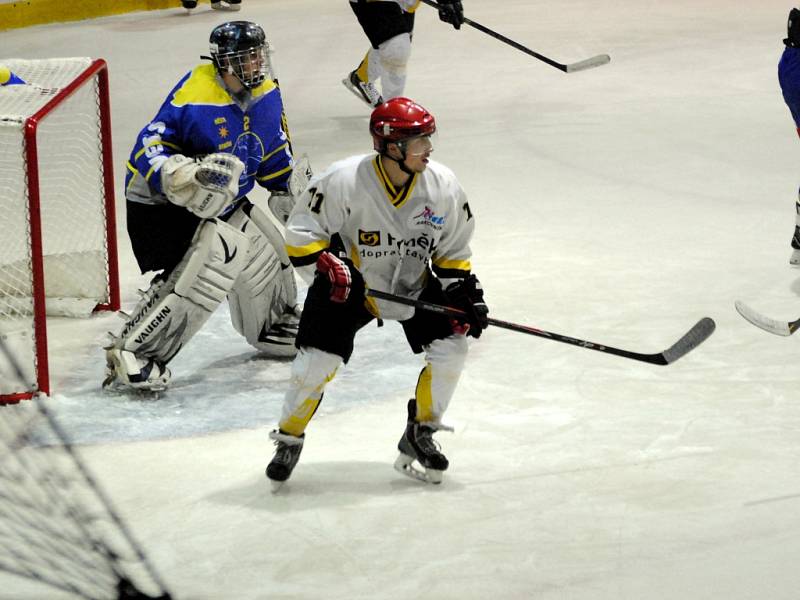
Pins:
x,y
282,203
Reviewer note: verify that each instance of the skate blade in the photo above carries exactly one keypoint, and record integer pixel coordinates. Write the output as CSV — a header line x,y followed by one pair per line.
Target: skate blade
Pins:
x,y
404,464
112,386
346,83
228,7
794,260
274,484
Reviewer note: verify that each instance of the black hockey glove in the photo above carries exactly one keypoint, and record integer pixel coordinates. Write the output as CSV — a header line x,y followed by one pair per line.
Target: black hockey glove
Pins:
x,y
793,29
451,11
467,294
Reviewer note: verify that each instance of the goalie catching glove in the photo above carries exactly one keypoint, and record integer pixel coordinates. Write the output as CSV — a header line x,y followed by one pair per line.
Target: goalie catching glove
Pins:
x,y
467,295
204,186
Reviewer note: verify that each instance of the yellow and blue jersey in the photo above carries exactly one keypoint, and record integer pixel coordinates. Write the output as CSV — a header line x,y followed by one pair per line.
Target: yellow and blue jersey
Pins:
x,y
201,117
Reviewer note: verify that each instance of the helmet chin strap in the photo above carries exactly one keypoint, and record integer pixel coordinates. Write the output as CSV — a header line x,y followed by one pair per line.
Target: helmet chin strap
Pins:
x,y
402,161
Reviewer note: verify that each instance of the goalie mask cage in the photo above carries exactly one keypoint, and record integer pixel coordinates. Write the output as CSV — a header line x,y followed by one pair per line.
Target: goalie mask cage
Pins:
x,y
57,526
57,220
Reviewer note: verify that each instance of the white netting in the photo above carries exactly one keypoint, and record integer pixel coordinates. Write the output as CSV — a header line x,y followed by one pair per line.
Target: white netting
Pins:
x,y
72,197
56,525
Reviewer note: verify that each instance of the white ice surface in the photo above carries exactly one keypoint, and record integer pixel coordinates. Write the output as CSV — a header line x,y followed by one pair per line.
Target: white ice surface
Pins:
x,y
618,205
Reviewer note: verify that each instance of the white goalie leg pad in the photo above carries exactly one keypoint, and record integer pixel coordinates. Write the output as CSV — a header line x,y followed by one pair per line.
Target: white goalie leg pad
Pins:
x,y
312,369
437,382
263,299
394,54
191,293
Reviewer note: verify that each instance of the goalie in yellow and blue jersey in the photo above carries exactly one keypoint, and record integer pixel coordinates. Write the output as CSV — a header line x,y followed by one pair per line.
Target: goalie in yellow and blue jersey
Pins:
x,y
221,131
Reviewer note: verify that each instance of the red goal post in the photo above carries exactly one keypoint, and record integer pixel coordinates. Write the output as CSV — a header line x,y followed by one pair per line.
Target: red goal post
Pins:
x,y
57,208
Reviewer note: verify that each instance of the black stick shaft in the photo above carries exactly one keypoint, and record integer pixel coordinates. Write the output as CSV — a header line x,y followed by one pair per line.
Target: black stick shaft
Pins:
x,y
689,341
587,64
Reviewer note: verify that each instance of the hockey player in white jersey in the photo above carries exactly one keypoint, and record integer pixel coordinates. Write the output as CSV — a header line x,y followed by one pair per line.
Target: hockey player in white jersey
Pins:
x,y
393,221
389,26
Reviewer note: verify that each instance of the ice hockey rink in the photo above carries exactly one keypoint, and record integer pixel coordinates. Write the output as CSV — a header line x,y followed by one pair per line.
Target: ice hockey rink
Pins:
x,y
618,205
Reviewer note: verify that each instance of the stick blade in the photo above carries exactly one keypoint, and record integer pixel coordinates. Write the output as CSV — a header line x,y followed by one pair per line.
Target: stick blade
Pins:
x,y
773,326
698,334
589,63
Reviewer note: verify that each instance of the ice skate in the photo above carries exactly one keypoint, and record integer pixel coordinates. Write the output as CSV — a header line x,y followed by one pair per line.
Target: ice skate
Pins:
x,y
126,371
794,259
226,5
287,452
363,90
189,4
278,340
417,444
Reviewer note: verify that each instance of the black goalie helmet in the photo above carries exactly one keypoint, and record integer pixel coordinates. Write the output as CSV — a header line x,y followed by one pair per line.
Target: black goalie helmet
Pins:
x,y
241,49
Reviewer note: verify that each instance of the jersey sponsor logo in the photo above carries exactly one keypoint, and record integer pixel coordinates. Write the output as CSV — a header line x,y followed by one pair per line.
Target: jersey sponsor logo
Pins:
x,y
420,247
369,238
428,218
220,120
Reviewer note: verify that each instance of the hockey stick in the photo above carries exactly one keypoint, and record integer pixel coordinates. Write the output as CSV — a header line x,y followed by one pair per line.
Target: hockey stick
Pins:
x,y
582,65
774,326
689,341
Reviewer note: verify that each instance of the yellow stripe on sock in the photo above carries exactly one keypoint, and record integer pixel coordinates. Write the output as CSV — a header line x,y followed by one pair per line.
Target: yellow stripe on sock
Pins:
x,y
424,396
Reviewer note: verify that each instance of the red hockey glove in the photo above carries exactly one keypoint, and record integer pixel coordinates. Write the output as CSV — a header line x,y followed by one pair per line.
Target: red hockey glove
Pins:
x,y
338,272
467,294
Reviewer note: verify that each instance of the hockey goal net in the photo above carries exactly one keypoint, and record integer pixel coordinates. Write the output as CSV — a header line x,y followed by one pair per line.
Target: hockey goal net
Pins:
x,y
58,528
56,208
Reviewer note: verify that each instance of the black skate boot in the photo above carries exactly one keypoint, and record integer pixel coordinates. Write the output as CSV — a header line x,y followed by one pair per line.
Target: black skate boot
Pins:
x,y
795,258
287,453
418,444
189,4
364,90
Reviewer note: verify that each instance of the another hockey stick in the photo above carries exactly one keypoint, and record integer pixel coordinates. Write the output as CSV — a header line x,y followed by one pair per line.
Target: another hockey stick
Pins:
x,y
688,342
582,65
774,326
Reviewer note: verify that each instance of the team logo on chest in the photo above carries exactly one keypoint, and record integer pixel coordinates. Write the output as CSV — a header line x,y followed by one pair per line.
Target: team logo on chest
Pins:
x,y
427,218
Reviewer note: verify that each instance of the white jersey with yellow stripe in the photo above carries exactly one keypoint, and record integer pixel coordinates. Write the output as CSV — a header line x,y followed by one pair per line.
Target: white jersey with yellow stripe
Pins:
x,y
393,236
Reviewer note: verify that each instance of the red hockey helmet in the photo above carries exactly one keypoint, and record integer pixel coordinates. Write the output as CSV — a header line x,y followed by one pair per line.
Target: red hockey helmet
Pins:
x,y
399,119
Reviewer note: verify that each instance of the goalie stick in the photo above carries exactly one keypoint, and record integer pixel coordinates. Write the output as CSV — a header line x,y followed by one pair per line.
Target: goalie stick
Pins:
x,y
581,65
688,342
774,326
